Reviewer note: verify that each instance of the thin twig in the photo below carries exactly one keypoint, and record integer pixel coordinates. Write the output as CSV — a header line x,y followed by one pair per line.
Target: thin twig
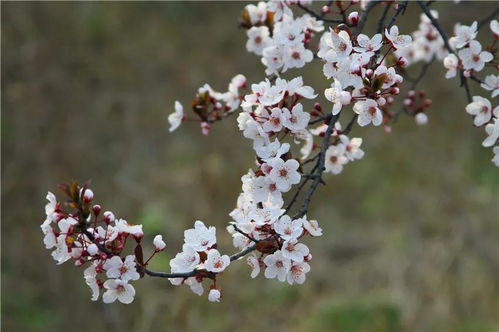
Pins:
x,y
488,18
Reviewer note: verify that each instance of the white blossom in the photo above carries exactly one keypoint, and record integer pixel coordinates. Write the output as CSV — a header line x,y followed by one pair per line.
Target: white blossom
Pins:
x,y
276,266
284,173
491,83
297,272
294,251
118,289
175,118
481,109
287,228
368,112
473,57
214,295
200,238
124,270
158,243
397,40
215,262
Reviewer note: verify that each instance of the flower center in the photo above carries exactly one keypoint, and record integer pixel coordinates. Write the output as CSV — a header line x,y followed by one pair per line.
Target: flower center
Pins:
x,y
295,55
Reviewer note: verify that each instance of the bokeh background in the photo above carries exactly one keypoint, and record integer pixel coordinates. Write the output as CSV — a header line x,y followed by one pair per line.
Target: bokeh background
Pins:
x,y
411,232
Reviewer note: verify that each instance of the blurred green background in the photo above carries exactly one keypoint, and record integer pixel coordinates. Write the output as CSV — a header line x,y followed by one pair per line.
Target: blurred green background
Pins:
x,y
411,232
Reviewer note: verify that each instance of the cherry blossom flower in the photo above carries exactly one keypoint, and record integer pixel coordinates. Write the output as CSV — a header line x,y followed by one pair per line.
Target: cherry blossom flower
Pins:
x,y
158,243
336,46
451,62
473,57
293,250
124,270
124,227
398,41
185,261
495,160
296,56
287,228
90,279
254,264
312,226
368,112
491,83
215,262
92,249
492,130
352,147
335,159
258,39
284,173
109,216
463,35
276,266
195,286
367,44
61,253
51,205
297,272
200,238
337,96
275,121
296,87
175,118
296,120
481,109
118,290
257,14
214,295
494,27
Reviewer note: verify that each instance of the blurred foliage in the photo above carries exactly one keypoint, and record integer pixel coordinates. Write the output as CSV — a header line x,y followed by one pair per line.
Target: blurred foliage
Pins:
x,y
411,231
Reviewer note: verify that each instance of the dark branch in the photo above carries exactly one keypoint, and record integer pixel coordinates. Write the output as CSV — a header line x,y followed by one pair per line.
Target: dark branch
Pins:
x,y
488,18
365,13
319,17
400,10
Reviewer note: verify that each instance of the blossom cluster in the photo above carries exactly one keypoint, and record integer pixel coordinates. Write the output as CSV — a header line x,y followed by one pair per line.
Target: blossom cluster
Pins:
x,y
210,105
96,240
470,60
281,39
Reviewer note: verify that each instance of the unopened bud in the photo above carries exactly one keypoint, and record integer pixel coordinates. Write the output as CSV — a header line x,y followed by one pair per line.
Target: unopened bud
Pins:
x,y
205,128
467,73
381,101
158,242
307,258
318,107
402,62
395,91
325,10
369,73
421,119
96,209
389,100
407,102
109,217
353,18
427,103
88,195
411,94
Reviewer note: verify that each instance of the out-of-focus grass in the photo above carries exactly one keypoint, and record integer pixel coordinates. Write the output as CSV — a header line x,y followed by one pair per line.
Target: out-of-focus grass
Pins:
x,y
411,231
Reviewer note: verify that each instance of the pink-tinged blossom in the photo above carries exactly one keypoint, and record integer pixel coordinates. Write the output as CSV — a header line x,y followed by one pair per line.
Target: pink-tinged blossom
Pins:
x,y
335,46
491,83
175,118
335,159
284,173
312,226
352,147
200,238
368,112
254,264
276,266
294,251
185,261
90,279
258,39
124,227
367,44
337,96
118,290
463,35
397,40
481,109
287,228
492,130
275,121
451,63
296,120
473,57
124,270
216,262
297,273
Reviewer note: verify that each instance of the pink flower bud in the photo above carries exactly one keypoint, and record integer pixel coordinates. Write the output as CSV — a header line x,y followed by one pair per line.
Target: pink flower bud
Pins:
x,y
214,295
307,258
467,73
388,129
407,102
411,94
96,209
381,101
353,18
325,10
318,107
427,103
369,73
402,62
205,128
389,100
421,118
158,242
109,217
88,195
79,262
395,91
